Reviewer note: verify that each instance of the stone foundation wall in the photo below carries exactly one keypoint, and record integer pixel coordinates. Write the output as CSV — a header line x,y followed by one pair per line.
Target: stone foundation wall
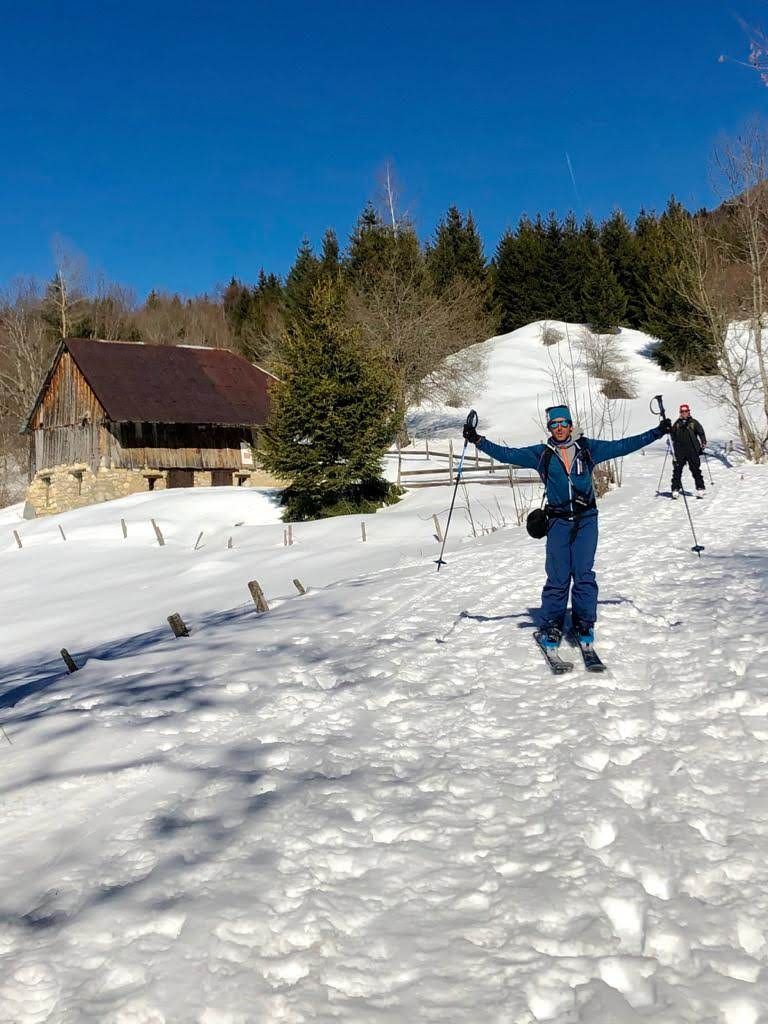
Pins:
x,y
62,488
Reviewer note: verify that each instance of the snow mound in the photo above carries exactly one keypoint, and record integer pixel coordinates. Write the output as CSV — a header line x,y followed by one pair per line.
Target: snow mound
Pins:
x,y
519,385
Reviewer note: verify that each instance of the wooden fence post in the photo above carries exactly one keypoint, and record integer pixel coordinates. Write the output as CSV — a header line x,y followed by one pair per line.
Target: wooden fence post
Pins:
x,y
399,467
18,538
362,531
438,529
124,527
258,596
178,625
300,586
229,542
426,445
158,533
68,660
290,534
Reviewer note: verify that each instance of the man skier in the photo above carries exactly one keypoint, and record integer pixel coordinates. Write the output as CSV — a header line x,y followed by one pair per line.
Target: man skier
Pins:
x,y
565,466
688,442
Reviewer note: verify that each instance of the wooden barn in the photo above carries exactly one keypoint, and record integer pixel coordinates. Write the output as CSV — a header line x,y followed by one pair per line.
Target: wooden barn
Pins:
x,y
114,418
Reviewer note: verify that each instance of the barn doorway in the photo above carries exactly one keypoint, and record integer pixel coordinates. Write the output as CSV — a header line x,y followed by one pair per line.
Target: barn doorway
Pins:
x,y
181,478
221,478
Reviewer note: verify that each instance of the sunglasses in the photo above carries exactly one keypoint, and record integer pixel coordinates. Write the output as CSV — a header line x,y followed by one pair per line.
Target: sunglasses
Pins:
x,y
558,423
684,408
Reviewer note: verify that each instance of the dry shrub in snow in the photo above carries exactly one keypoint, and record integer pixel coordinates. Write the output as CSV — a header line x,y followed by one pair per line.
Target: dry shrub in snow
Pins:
x,y
550,335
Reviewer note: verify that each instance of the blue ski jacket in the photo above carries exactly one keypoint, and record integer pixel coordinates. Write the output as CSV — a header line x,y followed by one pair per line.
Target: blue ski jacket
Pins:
x,y
562,486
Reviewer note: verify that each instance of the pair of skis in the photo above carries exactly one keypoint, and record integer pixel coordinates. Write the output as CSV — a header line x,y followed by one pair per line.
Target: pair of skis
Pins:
x,y
590,657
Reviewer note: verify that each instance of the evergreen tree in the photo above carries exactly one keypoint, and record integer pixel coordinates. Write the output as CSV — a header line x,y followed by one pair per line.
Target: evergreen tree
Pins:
x,y
571,271
604,303
330,260
519,275
334,412
551,288
376,248
668,315
620,246
369,245
457,251
301,280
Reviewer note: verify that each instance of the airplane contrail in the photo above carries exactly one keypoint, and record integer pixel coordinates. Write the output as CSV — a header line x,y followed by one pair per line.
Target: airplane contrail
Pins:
x,y
573,179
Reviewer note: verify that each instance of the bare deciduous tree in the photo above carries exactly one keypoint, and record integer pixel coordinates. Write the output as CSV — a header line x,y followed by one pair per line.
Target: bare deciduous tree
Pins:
x,y
705,282
425,336
743,166
65,295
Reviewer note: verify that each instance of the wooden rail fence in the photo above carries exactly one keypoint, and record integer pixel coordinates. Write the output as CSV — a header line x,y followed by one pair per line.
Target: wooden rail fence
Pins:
x,y
480,469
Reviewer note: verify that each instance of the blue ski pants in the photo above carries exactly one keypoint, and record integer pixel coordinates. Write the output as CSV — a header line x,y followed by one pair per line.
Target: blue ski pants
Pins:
x,y
571,550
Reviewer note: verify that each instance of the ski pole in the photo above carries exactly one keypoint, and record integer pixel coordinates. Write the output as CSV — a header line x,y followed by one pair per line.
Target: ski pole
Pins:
x,y
709,468
698,548
471,422
663,467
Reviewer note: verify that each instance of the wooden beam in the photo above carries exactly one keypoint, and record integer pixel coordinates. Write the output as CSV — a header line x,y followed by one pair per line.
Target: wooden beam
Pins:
x,y
178,625
258,596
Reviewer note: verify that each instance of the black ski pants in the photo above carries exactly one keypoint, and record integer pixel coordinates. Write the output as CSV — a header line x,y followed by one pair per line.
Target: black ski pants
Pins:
x,y
694,464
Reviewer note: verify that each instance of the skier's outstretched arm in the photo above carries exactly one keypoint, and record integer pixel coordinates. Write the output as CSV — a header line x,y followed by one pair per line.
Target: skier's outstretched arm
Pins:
x,y
527,457
601,451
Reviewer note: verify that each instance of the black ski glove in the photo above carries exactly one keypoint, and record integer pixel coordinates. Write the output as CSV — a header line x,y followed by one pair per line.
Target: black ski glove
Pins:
x,y
665,426
470,434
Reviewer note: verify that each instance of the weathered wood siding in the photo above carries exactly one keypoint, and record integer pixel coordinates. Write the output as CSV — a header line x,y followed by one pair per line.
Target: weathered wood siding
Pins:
x,y
174,446
66,446
69,427
68,399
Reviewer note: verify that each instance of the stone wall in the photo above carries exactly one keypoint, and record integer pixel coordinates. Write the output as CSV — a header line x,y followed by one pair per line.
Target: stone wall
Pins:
x,y
62,488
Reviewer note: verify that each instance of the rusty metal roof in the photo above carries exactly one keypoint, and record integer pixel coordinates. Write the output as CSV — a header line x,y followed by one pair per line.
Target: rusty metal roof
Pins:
x,y
172,383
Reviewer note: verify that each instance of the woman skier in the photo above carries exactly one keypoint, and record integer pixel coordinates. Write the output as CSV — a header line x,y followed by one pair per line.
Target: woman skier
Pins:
x,y
565,465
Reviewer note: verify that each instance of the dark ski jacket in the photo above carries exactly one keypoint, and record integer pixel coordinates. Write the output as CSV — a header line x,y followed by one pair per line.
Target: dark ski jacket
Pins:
x,y
562,486
688,438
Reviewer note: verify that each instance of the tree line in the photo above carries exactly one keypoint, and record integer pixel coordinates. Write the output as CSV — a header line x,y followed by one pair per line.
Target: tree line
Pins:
x,y
409,310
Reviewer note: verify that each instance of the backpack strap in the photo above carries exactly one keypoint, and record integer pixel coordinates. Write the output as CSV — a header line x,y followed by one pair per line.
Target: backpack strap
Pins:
x,y
544,461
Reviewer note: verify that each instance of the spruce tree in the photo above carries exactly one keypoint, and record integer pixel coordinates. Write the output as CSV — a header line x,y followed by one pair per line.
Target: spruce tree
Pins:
x,y
457,251
604,303
329,260
571,271
668,315
334,413
301,280
551,288
370,246
620,246
519,276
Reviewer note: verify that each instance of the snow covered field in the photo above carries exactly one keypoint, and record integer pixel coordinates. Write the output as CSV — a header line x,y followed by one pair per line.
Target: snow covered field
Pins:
x,y
375,804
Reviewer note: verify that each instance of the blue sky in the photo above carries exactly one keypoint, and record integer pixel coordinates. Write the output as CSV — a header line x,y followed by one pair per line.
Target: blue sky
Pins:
x,y
177,144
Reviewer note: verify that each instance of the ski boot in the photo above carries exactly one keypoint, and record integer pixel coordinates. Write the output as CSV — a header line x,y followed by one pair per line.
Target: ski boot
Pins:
x,y
551,637
584,634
